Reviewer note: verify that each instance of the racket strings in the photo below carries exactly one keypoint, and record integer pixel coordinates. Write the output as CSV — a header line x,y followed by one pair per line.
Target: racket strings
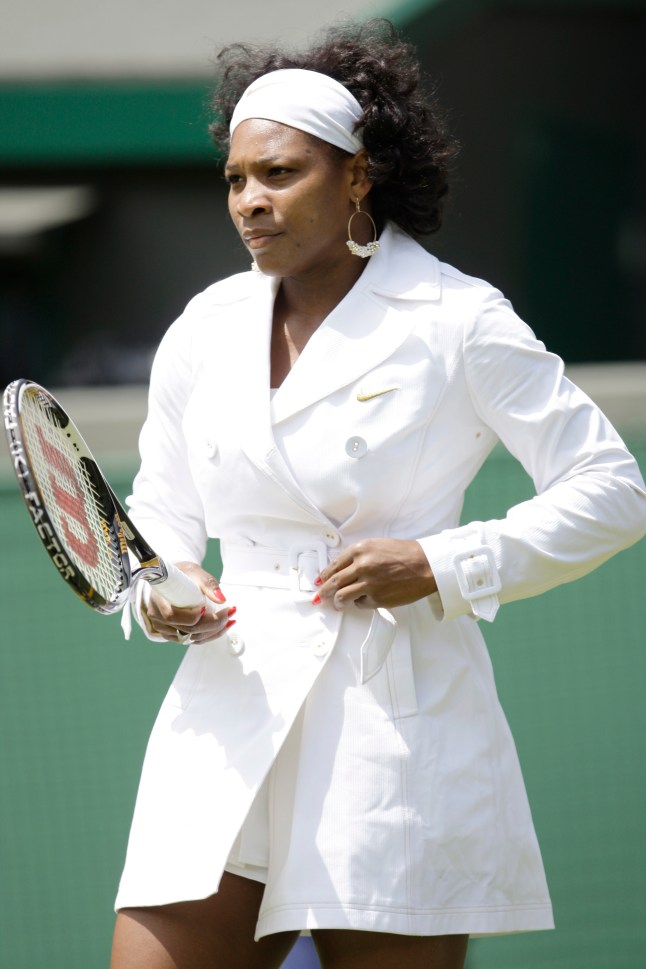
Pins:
x,y
71,496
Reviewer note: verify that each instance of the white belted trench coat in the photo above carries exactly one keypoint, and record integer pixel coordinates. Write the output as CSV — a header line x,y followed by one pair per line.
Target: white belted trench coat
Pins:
x,y
394,800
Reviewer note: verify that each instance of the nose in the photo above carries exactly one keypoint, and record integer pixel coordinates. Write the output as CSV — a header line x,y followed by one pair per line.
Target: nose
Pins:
x,y
252,199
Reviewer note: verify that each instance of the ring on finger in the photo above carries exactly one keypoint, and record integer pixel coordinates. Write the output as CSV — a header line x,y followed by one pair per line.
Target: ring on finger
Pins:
x,y
184,638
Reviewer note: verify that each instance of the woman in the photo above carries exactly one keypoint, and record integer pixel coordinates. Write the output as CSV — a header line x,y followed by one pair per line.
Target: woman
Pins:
x,y
337,761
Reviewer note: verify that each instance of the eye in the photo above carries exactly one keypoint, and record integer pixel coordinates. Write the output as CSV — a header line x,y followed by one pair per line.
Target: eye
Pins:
x,y
233,179
276,171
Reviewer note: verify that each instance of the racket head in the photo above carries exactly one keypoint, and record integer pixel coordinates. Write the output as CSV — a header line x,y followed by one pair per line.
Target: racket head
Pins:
x,y
68,499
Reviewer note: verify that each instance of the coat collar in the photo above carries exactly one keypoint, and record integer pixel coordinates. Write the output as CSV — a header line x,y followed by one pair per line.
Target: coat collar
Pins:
x,y
402,269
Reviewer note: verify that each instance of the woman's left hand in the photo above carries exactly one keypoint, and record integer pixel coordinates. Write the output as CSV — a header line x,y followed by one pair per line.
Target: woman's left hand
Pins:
x,y
377,572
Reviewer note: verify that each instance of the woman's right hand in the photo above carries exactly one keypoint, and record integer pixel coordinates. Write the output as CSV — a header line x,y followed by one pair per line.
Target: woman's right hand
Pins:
x,y
201,623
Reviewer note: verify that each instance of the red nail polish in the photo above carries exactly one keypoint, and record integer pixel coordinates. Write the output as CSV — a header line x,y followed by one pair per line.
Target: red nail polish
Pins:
x,y
316,599
219,596
230,623
202,611
318,581
232,611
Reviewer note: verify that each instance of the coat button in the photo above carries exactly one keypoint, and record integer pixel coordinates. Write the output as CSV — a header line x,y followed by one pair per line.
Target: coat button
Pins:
x,y
332,539
236,645
321,649
356,447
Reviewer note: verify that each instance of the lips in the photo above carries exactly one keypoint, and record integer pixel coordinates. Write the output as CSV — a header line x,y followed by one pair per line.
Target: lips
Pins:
x,y
258,239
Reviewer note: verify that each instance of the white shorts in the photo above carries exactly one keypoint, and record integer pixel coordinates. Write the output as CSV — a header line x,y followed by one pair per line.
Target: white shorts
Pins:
x,y
255,872
249,856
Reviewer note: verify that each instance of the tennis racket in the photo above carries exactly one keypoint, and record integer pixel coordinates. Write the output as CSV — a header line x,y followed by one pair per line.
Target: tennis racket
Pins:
x,y
80,521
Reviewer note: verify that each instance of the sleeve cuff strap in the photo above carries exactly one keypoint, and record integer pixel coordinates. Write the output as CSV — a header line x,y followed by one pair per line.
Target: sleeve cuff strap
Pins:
x,y
466,574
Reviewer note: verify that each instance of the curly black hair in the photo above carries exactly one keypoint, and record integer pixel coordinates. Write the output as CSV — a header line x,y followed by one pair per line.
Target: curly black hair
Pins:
x,y
404,133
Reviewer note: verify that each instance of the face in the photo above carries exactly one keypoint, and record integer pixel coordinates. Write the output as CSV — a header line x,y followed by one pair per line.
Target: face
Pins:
x,y
290,198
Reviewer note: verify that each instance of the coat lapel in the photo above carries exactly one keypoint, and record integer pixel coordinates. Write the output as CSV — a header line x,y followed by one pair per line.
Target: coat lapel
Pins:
x,y
369,324
241,388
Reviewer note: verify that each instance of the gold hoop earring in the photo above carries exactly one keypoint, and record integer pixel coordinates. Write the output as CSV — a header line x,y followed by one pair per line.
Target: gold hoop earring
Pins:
x,y
357,250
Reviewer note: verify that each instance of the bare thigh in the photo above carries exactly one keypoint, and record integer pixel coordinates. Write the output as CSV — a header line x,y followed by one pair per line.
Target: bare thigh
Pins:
x,y
211,933
344,949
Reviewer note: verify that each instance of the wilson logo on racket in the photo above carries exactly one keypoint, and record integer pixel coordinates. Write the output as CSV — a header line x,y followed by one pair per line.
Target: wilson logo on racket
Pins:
x,y
70,502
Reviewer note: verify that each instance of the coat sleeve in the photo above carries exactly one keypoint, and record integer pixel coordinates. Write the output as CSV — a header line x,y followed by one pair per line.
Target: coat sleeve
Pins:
x,y
590,499
165,504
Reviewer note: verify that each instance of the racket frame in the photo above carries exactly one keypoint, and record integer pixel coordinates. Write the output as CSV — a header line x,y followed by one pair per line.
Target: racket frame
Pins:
x,y
123,533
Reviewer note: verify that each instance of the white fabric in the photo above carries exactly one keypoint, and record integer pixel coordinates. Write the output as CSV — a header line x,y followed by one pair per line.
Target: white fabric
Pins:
x,y
295,569
306,100
395,804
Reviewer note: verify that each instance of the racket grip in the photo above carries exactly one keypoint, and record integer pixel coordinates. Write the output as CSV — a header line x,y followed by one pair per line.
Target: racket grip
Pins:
x,y
179,589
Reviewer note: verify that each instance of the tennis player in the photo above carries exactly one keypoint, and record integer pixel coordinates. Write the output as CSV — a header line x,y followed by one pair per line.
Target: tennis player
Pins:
x,y
337,761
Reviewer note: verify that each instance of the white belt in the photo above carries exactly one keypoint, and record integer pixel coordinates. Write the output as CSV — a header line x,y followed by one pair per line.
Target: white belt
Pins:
x,y
296,569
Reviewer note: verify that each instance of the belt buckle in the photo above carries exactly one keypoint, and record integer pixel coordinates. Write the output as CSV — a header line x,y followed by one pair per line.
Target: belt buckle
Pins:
x,y
293,554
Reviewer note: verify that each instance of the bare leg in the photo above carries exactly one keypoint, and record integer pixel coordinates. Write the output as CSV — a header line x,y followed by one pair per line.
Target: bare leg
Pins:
x,y
211,933
343,949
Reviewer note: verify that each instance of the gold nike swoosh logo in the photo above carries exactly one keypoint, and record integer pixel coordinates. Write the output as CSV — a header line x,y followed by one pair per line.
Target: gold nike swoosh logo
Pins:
x,y
377,393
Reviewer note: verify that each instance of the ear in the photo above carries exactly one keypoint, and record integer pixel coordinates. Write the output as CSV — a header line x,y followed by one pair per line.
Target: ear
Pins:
x,y
360,184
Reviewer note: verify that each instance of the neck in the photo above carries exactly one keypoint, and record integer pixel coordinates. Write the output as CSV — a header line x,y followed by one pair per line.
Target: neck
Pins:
x,y
314,295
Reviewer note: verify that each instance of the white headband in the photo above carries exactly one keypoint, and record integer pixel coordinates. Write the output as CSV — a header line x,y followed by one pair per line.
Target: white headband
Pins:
x,y
306,100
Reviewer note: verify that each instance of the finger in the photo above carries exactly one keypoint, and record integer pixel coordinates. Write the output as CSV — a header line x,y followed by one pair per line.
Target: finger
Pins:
x,y
175,628
198,639
343,596
169,633
207,583
213,591
159,605
365,602
341,562
332,584
209,621
166,615
161,610
208,633
349,594
187,618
